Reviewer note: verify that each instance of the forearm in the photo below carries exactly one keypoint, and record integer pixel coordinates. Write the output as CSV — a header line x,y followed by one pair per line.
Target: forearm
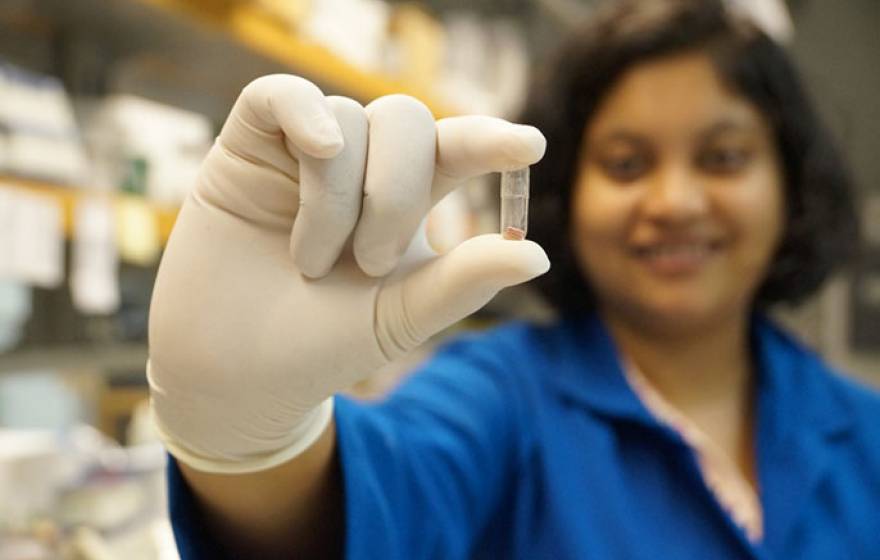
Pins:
x,y
292,510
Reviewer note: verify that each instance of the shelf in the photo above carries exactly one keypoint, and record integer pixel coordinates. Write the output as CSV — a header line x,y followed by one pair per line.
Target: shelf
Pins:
x,y
117,357
68,197
248,26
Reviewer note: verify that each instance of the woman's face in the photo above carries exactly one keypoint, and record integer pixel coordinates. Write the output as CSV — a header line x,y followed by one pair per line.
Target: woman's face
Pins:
x,y
678,205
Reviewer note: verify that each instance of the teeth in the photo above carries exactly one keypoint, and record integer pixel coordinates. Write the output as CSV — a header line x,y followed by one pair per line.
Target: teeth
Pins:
x,y
690,250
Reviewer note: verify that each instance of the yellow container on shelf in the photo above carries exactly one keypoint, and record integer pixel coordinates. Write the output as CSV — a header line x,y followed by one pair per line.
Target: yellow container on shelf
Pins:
x,y
419,40
290,13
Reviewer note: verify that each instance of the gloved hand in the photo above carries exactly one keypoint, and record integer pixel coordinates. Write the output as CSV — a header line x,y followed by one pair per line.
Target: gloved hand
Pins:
x,y
298,265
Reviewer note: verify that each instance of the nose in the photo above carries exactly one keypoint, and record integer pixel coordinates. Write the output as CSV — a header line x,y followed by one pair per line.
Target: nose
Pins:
x,y
675,196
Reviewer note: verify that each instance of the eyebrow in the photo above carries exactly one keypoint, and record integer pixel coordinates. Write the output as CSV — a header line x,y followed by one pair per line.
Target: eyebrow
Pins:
x,y
721,126
728,125
620,136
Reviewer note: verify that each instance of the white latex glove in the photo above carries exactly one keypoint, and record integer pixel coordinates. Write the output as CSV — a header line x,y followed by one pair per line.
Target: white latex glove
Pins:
x,y
298,265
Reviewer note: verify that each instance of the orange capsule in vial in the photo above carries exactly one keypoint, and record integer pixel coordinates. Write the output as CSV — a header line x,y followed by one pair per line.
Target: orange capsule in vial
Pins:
x,y
515,204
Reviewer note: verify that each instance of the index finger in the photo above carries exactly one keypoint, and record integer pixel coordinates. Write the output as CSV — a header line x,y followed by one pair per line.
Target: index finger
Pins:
x,y
277,105
473,145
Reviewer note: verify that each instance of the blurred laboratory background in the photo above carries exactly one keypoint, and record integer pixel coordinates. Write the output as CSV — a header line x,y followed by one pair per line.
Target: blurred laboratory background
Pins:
x,y
108,106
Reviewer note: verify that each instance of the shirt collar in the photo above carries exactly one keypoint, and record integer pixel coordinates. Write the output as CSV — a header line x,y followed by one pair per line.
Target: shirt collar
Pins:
x,y
796,390
591,372
794,387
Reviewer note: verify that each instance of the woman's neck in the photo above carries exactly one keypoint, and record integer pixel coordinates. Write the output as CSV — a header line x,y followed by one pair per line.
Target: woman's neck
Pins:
x,y
706,374
690,368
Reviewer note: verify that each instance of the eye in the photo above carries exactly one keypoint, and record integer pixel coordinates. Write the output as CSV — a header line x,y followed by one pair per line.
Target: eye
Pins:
x,y
724,161
625,168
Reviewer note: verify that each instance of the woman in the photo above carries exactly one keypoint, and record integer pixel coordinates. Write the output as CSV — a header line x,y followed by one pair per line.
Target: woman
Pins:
x,y
687,187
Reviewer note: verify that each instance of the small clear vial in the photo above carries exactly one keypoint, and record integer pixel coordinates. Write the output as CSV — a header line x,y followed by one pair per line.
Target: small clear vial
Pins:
x,y
515,204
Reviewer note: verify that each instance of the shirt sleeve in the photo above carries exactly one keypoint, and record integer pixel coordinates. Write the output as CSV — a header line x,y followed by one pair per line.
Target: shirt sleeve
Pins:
x,y
425,470
192,537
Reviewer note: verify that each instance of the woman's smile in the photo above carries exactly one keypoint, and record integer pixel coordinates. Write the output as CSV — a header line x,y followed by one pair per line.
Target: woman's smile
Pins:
x,y
676,258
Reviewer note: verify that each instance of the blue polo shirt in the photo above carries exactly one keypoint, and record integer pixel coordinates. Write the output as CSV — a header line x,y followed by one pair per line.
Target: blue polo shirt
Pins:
x,y
527,442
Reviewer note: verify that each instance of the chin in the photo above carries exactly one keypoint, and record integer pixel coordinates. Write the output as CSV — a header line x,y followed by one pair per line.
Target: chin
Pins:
x,y
681,314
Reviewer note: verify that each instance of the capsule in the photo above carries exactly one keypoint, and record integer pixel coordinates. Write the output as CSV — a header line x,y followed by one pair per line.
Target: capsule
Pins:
x,y
515,204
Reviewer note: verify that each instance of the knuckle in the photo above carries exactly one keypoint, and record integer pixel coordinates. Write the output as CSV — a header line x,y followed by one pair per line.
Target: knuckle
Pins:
x,y
276,85
259,87
401,105
350,114
345,104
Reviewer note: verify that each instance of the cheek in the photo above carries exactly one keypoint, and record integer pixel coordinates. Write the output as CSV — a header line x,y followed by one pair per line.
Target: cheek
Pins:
x,y
599,229
759,211
600,213
768,202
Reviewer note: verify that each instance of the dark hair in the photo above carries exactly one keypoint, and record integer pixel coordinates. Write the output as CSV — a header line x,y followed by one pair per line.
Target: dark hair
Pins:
x,y
821,230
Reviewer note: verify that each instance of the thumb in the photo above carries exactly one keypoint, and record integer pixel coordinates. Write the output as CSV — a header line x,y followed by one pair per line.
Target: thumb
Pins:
x,y
449,288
